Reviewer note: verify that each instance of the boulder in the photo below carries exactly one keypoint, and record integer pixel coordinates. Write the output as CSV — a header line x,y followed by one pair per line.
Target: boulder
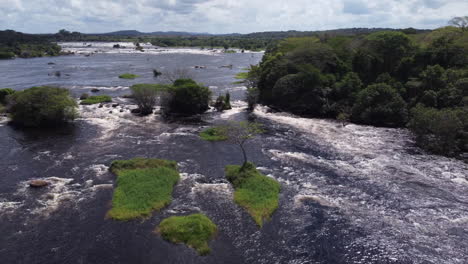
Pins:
x,y
115,105
38,183
135,111
95,90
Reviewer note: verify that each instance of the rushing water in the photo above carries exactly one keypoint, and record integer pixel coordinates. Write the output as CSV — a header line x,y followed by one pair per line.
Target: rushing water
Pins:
x,y
353,194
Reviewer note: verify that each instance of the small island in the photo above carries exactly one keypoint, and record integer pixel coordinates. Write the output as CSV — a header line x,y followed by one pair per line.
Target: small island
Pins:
x,y
128,76
143,186
194,230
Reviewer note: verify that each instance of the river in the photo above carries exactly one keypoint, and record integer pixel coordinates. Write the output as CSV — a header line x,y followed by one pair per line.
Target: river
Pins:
x,y
353,194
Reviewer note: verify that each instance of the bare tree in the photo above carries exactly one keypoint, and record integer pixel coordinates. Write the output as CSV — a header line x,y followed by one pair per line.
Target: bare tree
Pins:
x,y
461,22
240,132
177,73
146,96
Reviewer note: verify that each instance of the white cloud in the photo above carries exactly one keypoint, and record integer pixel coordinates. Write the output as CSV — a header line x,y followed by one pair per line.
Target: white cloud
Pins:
x,y
223,16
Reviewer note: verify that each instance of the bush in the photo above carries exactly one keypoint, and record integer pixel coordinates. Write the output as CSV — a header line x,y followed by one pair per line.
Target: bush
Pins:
x,y
146,96
380,105
187,97
440,131
195,230
223,102
128,76
156,73
251,97
4,93
84,96
255,192
96,99
143,185
42,106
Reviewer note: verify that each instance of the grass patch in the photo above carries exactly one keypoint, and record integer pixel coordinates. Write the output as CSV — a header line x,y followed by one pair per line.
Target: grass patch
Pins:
x,y
194,230
217,133
143,185
255,192
128,76
96,99
242,75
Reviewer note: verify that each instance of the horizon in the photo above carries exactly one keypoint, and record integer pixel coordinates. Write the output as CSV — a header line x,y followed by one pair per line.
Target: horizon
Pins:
x,y
223,16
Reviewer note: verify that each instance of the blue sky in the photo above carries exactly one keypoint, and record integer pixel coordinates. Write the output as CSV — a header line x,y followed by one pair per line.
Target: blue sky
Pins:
x,y
223,16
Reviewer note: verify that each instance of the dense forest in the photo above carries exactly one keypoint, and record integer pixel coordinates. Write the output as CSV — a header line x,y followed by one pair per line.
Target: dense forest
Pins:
x,y
387,78
16,44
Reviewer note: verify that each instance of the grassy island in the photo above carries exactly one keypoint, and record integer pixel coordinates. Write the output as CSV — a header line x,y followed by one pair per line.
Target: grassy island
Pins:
x,y
217,133
128,76
143,185
96,99
255,192
194,230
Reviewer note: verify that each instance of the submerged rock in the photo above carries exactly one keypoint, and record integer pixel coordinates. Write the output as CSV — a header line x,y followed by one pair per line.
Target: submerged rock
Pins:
x,y
38,183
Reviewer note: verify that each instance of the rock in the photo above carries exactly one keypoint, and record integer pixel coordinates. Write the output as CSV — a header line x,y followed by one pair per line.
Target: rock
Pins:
x,y
121,110
95,90
100,105
115,105
110,112
50,63
38,183
135,111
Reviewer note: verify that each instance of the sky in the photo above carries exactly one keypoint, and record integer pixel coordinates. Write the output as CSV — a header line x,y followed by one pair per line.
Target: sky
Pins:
x,y
223,16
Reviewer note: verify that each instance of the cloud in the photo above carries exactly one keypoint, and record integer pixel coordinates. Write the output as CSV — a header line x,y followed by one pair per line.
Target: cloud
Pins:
x,y
223,16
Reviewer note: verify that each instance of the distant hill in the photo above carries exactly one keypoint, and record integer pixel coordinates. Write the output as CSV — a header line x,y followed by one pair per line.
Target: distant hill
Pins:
x,y
136,33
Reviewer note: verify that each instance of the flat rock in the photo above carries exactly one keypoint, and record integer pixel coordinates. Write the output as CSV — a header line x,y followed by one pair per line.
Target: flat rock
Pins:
x,y
38,183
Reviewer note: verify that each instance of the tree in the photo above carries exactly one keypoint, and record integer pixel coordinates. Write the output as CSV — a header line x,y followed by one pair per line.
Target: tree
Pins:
x,y
461,22
4,93
42,106
178,73
381,105
146,96
186,97
240,132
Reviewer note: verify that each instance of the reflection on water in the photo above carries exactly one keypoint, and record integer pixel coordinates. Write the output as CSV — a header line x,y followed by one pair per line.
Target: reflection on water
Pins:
x,y
353,194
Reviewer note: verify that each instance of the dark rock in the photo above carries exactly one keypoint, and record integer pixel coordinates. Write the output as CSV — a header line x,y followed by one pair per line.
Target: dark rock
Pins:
x,y
121,110
95,90
50,63
110,112
100,105
135,111
38,183
115,105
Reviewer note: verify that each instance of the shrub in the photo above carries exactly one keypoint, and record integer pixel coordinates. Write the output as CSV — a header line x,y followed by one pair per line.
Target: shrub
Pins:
x,y
128,76
223,102
156,73
143,185
96,99
42,106
146,96
251,97
195,230
4,93
380,105
255,192
187,97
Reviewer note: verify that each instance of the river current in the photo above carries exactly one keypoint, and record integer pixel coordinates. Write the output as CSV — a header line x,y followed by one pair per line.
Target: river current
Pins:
x,y
352,194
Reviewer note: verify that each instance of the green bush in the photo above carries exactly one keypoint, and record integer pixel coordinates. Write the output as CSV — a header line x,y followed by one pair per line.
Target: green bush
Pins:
x,y
380,105
187,97
143,185
4,93
195,230
440,131
255,192
128,76
42,106
217,133
96,99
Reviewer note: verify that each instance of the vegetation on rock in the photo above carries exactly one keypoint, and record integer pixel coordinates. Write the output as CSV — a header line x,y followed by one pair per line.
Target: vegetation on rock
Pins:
x,y
186,97
217,133
96,99
143,185
195,230
255,192
128,76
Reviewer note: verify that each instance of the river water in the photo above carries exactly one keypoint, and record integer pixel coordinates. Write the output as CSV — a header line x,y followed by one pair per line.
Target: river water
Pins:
x,y
353,194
